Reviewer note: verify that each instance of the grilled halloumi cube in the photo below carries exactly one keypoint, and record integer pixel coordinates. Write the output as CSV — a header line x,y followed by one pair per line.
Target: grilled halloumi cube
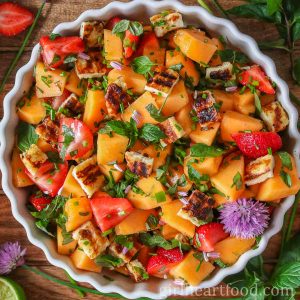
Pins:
x,y
48,130
116,97
223,72
274,116
92,33
259,170
139,164
204,106
172,130
89,176
199,209
162,82
90,239
137,271
90,68
33,158
72,106
122,252
166,21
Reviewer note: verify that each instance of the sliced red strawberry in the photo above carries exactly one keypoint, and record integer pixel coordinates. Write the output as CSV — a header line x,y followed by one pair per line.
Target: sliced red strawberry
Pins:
x,y
256,144
148,41
57,49
14,18
257,77
130,43
112,22
160,264
40,201
208,235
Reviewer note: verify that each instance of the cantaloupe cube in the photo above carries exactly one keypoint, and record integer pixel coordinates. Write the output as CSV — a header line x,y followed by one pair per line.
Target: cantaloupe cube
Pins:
x,y
139,105
205,136
195,45
209,166
78,211
49,83
232,248
274,188
216,59
169,232
267,99
44,146
19,177
134,81
108,169
225,99
189,270
176,101
64,249
139,146
74,84
169,216
159,155
220,200
254,188
71,187
135,222
156,55
232,169
244,103
111,148
174,57
233,122
184,119
31,110
83,262
247,193
95,109
152,194
113,47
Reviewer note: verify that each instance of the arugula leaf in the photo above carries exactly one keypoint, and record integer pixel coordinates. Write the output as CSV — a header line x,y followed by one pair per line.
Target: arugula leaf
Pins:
x,y
143,65
203,150
287,276
151,133
108,261
155,113
26,136
233,56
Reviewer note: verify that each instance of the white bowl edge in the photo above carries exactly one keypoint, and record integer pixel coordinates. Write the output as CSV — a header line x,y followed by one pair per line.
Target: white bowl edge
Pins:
x,y
153,289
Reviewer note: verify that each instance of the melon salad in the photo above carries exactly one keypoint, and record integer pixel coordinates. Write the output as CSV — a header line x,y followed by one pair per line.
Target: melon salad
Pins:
x,y
151,150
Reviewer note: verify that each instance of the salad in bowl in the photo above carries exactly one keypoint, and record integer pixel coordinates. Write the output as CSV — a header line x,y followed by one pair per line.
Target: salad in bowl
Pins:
x,y
151,149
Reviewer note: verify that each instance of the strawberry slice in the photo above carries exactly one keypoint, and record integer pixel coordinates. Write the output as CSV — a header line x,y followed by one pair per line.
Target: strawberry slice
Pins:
x,y
257,77
208,235
39,202
57,49
130,43
148,41
160,264
14,18
256,144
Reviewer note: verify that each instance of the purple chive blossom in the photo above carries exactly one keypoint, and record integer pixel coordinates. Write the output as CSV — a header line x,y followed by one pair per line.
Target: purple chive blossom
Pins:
x,y
244,218
11,257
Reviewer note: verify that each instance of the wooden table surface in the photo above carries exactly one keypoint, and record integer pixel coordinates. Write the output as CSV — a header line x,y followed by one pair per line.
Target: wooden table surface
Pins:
x,y
55,12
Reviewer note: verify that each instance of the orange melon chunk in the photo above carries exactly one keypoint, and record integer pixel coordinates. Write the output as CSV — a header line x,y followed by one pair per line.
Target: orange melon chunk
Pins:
x,y
74,84
224,179
83,262
184,119
188,269
110,169
169,232
234,122
135,222
113,47
244,103
44,146
232,248
159,155
66,249
274,188
225,99
169,216
156,55
205,136
216,59
195,45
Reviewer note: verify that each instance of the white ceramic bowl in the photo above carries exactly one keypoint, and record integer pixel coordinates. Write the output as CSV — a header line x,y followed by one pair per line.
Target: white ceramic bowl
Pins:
x,y
140,9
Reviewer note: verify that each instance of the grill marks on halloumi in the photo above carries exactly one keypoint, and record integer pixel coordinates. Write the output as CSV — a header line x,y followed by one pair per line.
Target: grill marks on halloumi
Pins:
x,y
89,176
223,72
259,170
48,130
172,129
198,210
137,271
119,251
139,164
114,97
162,81
72,106
204,106
92,33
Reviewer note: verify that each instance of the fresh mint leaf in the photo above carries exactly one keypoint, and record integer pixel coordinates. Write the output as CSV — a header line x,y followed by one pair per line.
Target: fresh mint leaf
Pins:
x,y
179,154
257,103
286,177
237,181
143,65
124,241
285,159
108,261
160,197
203,150
26,136
233,56
177,67
152,222
197,178
287,276
151,133
136,28
121,26
155,113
